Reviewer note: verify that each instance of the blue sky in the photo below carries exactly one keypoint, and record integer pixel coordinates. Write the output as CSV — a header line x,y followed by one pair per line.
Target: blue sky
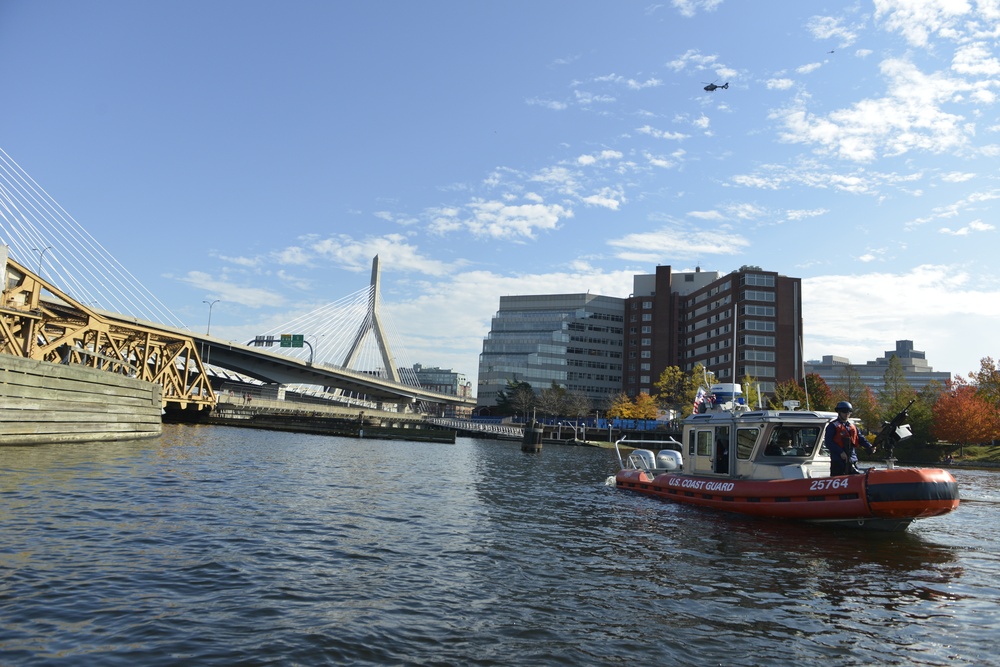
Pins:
x,y
261,153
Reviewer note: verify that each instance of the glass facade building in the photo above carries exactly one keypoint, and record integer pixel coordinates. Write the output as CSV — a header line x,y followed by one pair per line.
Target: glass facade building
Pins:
x,y
573,340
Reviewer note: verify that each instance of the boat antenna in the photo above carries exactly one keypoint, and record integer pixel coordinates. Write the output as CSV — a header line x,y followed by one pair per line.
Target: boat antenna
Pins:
x,y
805,384
734,338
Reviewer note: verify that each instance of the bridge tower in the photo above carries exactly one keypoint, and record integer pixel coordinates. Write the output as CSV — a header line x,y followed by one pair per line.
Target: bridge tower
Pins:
x,y
372,324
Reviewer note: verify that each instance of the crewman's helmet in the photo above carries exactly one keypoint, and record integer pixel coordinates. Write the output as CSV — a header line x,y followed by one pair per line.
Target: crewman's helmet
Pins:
x,y
845,406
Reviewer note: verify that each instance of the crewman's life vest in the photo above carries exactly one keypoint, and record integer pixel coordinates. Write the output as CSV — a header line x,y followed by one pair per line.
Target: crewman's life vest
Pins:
x,y
845,434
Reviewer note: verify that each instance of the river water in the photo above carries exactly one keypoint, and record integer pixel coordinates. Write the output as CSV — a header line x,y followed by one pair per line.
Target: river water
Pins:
x,y
224,546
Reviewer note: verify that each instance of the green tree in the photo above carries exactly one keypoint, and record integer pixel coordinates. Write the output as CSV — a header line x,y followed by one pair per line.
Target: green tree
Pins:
x,y
751,392
700,378
921,414
896,390
987,383
672,388
516,399
850,386
787,391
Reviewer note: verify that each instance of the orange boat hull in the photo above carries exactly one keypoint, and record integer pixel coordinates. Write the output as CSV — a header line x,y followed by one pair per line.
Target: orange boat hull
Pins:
x,y
891,497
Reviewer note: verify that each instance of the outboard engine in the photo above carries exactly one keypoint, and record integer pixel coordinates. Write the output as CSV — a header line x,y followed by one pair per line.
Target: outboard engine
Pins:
x,y
642,459
668,459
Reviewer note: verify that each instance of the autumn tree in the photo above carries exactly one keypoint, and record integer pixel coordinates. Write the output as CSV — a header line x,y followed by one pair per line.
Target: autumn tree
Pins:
x,y
819,393
620,406
866,408
644,407
961,415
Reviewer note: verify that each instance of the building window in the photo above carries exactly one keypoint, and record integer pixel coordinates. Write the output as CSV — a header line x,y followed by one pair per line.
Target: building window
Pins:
x,y
760,311
759,341
757,295
757,279
647,341
756,325
647,305
647,317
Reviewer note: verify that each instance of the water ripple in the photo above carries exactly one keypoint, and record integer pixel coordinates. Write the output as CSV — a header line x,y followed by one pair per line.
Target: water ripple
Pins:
x,y
221,546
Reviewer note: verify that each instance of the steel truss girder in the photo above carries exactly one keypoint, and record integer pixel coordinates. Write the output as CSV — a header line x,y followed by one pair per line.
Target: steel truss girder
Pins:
x,y
57,328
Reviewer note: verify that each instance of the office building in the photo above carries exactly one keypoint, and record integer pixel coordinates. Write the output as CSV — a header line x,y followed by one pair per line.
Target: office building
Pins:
x,y
916,369
574,340
745,323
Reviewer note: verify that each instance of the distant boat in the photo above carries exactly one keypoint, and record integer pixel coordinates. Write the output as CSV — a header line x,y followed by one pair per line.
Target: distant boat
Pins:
x,y
774,464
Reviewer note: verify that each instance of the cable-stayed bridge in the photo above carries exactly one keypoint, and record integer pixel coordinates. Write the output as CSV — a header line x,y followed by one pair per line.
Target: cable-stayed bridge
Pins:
x,y
66,297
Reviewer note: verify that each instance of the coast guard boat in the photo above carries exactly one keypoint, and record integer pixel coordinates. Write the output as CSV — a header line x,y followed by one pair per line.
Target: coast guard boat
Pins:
x,y
774,464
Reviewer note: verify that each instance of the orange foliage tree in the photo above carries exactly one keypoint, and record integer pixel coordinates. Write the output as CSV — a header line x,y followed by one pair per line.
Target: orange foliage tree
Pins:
x,y
961,415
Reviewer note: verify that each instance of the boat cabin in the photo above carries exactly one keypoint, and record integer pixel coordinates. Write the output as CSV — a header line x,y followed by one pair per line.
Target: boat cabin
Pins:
x,y
726,439
762,444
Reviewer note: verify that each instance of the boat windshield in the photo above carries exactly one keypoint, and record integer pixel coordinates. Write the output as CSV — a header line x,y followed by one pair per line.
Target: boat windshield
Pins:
x,y
788,440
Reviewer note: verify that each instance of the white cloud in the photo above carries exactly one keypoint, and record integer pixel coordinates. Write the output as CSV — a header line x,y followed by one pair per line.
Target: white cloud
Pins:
x,y
554,105
975,60
917,20
610,198
935,306
230,292
909,118
499,220
691,7
974,226
829,27
663,245
605,155
957,177
660,134
393,250
780,84
802,214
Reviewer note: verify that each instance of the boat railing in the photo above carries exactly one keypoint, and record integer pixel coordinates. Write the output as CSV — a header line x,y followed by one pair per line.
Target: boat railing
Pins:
x,y
638,460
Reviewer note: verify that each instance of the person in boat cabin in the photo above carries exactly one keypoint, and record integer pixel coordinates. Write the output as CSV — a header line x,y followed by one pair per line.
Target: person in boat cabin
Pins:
x,y
781,445
842,439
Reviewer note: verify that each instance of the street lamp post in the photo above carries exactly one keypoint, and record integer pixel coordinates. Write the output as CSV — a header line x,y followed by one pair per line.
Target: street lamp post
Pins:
x,y
41,255
210,304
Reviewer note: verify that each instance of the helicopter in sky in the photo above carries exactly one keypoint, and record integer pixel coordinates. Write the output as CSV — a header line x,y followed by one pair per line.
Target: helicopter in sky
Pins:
x,y
712,86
